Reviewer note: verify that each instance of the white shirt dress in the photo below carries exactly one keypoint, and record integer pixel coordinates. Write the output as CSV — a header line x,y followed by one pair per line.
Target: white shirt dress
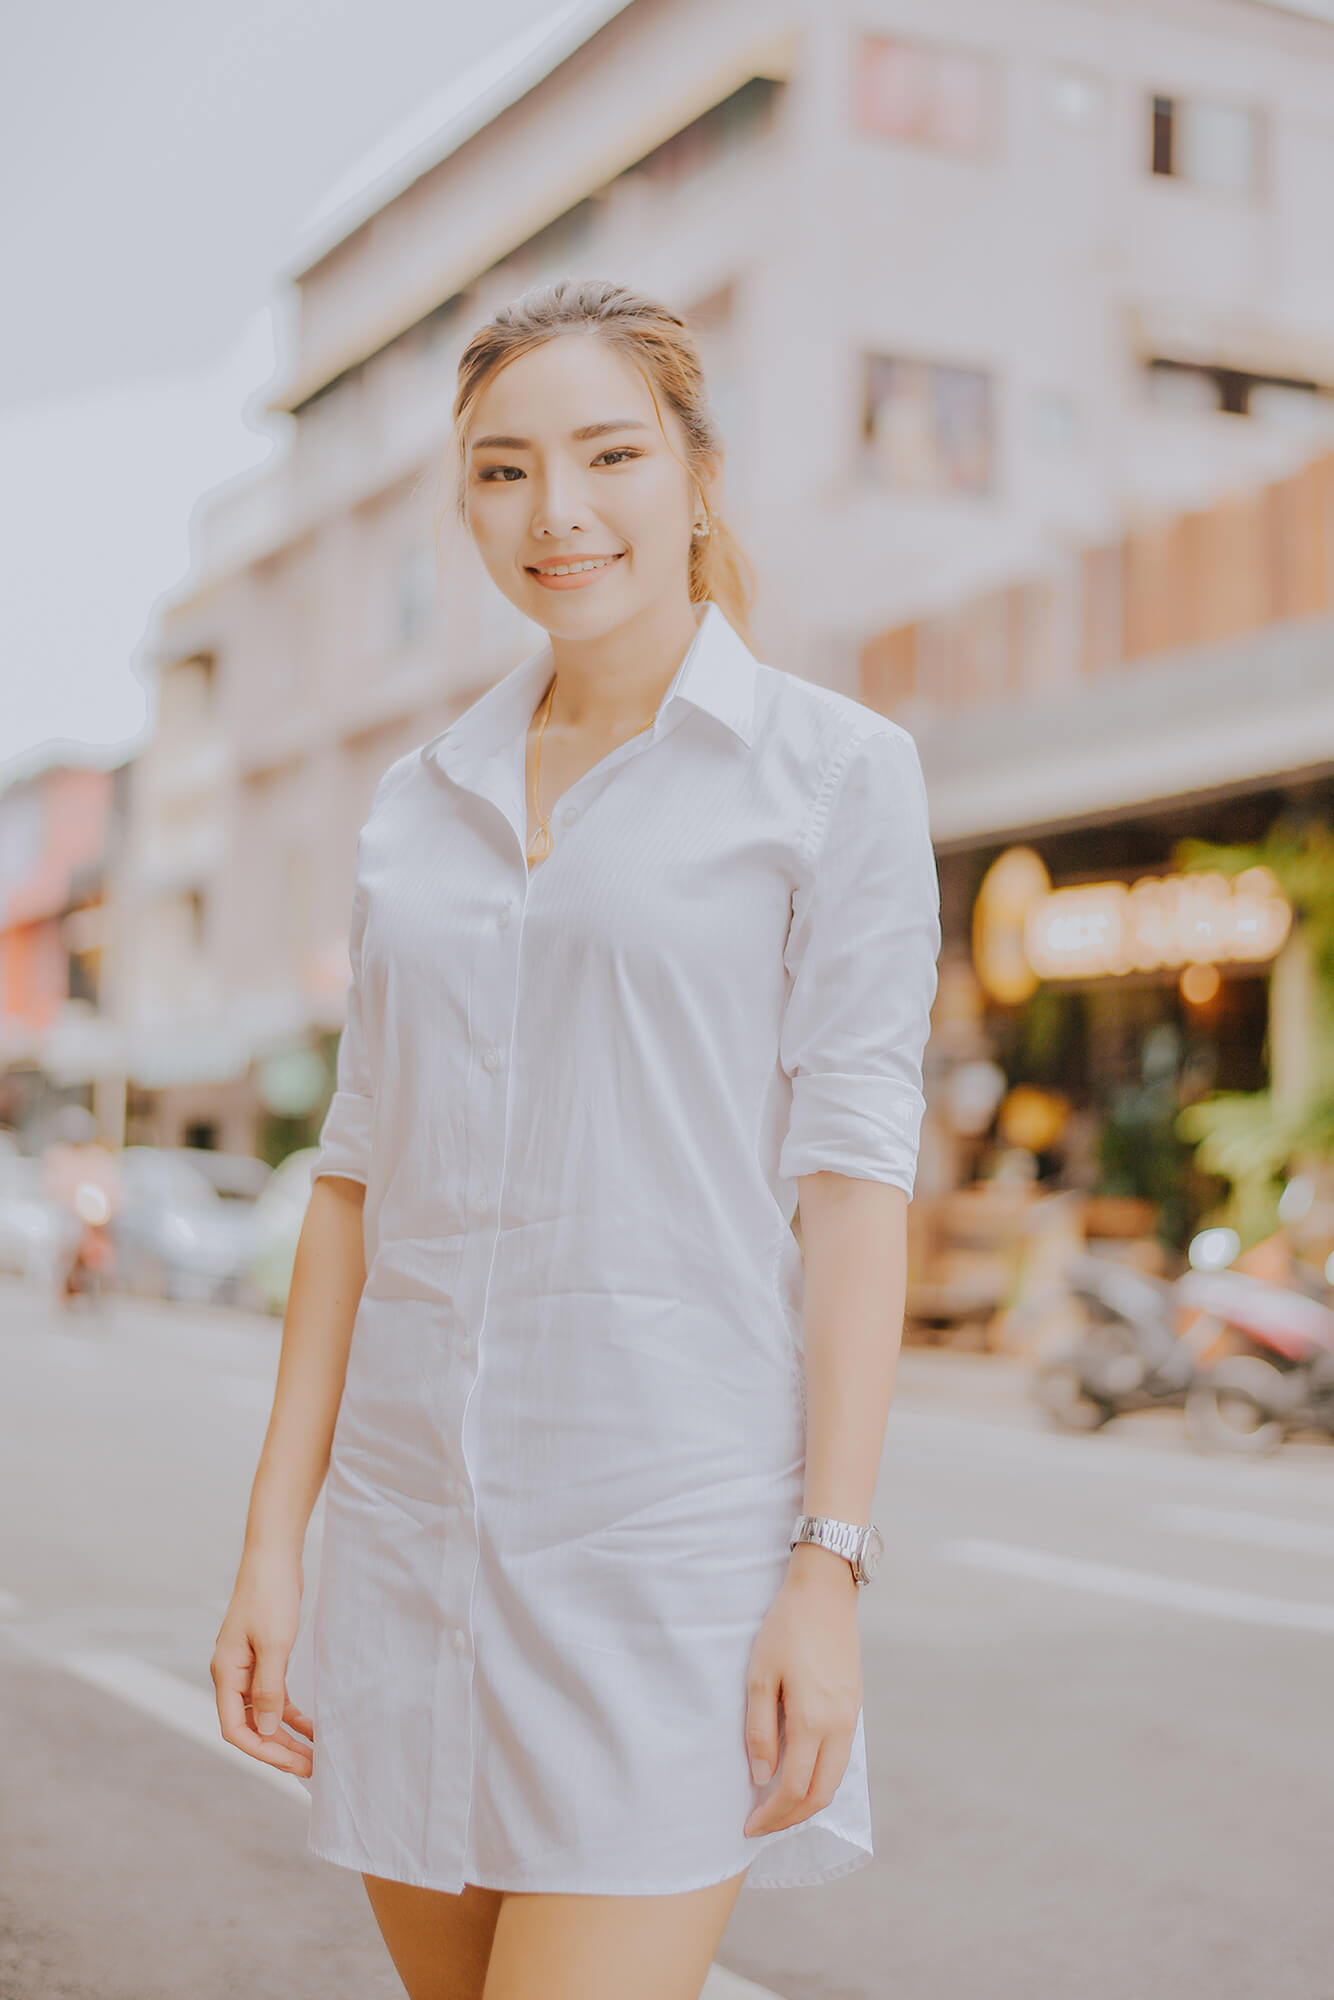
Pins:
x,y
571,1442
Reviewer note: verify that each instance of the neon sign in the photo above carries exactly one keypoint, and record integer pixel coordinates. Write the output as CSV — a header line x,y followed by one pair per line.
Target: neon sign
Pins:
x,y
1025,931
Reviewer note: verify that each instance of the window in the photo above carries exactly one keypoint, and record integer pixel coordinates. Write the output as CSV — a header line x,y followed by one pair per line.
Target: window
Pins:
x,y
1240,392
923,94
1207,142
926,425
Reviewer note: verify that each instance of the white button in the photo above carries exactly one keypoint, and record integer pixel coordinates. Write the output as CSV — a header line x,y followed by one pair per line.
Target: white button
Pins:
x,y
492,1056
570,815
503,915
458,1638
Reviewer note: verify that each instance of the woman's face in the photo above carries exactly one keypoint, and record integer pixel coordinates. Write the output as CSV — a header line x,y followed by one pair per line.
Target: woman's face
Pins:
x,y
539,494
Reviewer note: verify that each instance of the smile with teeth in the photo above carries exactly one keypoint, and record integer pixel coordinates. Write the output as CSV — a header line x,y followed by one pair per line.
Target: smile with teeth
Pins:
x,y
577,568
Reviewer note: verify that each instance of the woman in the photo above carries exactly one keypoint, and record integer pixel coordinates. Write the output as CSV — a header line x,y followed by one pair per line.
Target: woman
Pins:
x,y
643,951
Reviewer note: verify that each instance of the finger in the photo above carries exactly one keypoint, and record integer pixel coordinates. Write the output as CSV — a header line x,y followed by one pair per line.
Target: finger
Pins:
x,y
296,1719
268,1692
234,1716
762,1746
281,1751
795,1772
830,1764
229,1685
812,1800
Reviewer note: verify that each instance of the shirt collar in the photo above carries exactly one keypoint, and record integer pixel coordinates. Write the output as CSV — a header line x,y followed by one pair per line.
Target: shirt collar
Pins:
x,y
716,675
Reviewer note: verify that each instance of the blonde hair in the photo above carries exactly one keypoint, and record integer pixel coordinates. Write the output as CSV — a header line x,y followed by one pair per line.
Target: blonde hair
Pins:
x,y
660,345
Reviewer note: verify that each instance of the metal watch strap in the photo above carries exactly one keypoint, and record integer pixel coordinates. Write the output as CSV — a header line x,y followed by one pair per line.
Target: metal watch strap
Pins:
x,y
844,1538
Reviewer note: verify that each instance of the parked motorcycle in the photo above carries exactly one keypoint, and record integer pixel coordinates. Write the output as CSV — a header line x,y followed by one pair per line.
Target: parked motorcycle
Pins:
x,y
93,1256
1125,1355
81,1177
1279,1376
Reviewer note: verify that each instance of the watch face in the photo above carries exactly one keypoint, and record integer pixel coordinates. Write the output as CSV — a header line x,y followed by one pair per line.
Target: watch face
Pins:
x,y
872,1550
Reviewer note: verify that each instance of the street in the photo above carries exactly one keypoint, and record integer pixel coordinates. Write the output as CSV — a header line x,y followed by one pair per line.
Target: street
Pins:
x,y
1097,1683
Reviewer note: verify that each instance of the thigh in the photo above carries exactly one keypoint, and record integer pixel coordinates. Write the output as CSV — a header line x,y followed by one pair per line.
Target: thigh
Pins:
x,y
607,1947
439,1943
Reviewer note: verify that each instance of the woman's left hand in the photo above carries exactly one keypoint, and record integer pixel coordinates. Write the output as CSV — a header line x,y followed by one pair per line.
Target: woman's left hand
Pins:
x,y
808,1653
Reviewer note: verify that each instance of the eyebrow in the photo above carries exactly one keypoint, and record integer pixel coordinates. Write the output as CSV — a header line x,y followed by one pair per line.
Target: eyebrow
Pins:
x,y
584,432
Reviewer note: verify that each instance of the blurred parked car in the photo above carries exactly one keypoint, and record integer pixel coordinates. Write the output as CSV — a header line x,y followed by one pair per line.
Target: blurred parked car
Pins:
x,y
177,1237
36,1232
239,1176
279,1214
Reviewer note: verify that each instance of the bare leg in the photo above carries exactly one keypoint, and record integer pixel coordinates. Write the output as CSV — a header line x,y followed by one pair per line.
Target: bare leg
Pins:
x,y
439,1943
549,1947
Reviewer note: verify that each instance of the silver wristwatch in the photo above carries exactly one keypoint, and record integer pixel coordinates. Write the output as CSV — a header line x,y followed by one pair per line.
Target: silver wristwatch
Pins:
x,y
863,1547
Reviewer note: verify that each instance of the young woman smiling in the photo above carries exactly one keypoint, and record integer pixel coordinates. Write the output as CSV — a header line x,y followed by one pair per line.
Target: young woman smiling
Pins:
x,y
643,952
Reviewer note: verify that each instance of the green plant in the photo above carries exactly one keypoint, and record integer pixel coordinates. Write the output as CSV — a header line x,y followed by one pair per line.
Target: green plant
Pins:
x,y
1248,1138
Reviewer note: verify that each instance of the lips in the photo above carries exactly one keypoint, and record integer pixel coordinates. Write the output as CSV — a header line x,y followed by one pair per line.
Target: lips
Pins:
x,y
550,563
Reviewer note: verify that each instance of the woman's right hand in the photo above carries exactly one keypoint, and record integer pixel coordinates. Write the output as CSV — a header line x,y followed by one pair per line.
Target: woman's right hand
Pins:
x,y
249,1665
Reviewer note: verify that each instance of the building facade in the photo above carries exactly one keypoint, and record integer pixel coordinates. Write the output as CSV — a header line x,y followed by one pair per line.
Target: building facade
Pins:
x,y
61,848
971,291
1079,730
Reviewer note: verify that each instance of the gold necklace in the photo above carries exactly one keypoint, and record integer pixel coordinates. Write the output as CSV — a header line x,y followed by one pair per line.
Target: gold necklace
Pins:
x,y
540,845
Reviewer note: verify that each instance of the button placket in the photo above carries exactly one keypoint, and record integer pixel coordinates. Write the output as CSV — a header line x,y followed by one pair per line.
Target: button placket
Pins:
x,y
490,1109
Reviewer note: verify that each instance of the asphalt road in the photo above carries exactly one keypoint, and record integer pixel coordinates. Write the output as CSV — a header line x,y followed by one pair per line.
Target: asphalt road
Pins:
x,y
1098,1703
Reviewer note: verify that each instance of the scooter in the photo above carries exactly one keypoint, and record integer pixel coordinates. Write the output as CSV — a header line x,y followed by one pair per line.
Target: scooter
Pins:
x,y
92,1253
1127,1354
1280,1376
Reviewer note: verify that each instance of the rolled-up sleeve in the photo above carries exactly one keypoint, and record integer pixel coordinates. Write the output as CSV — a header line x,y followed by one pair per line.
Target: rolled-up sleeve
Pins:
x,y
345,1136
862,952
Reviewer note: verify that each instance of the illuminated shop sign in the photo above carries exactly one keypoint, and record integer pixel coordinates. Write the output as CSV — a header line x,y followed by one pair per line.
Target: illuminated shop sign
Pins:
x,y
1025,931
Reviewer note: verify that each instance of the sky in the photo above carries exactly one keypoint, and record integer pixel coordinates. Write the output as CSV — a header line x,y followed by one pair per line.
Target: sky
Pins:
x,y
158,161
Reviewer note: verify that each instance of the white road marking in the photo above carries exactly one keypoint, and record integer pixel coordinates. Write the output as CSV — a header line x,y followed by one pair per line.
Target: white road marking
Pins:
x,y
1263,1531
724,1985
1139,1586
188,1710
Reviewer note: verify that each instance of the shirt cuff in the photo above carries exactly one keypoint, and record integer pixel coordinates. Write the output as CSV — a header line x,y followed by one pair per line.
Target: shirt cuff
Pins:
x,y
345,1138
865,1126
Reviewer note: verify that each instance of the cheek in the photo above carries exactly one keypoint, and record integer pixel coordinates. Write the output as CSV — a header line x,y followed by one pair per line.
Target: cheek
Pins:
x,y
494,520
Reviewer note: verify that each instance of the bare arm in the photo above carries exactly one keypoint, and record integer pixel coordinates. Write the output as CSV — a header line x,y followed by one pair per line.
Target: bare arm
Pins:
x,y
854,1246
861,950
327,1281
808,1655
249,1664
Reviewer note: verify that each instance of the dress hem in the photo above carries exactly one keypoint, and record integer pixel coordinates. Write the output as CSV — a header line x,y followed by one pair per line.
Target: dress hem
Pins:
x,y
546,1886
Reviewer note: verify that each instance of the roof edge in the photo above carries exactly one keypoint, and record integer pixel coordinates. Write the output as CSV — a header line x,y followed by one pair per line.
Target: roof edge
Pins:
x,y
441,125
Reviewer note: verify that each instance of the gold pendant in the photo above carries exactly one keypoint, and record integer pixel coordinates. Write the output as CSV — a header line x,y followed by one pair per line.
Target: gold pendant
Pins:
x,y
540,845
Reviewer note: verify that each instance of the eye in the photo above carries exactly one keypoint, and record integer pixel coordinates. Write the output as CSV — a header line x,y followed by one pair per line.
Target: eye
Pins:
x,y
614,452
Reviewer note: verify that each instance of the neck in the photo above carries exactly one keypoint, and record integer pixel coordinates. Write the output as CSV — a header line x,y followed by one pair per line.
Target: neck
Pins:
x,y
605,684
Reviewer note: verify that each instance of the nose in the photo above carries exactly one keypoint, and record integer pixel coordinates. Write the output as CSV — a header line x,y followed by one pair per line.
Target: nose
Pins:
x,y
558,506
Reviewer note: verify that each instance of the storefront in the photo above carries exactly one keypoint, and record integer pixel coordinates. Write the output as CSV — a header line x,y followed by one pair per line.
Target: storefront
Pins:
x,y
1092,986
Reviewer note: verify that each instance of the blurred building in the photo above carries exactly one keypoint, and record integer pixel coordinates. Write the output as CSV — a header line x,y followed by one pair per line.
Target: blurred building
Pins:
x,y
1075,727
61,833
972,287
